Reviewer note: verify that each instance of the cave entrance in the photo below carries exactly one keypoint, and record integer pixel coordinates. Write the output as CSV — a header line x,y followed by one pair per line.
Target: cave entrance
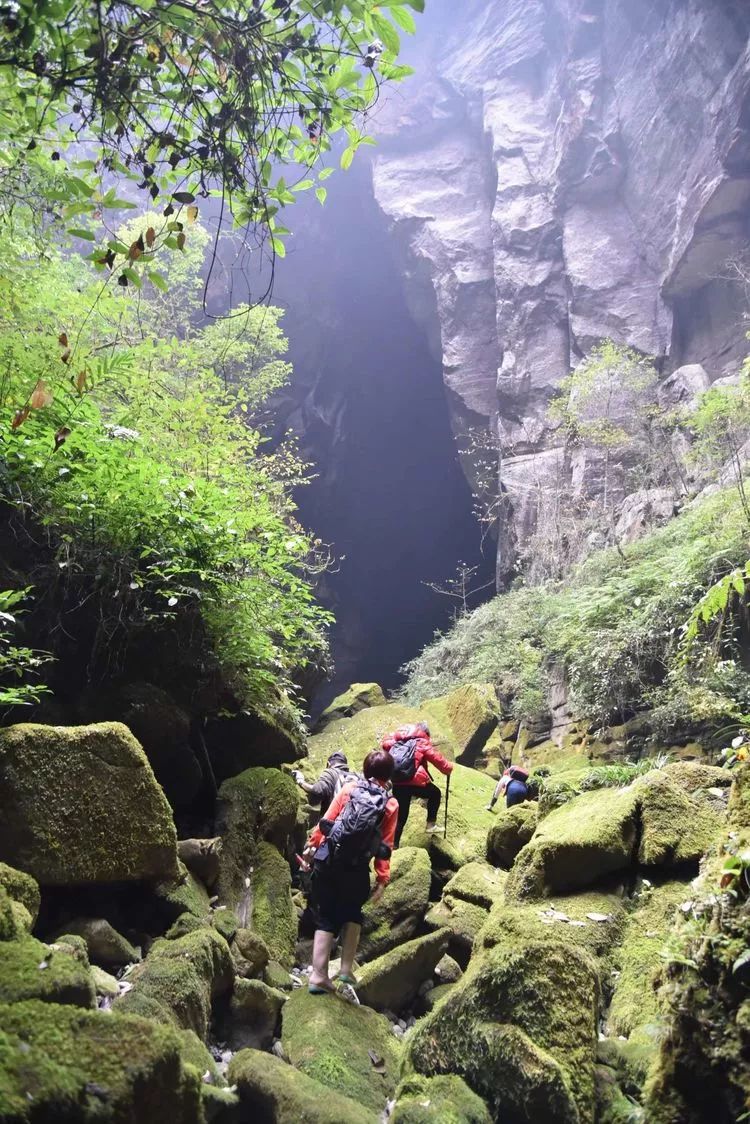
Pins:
x,y
369,405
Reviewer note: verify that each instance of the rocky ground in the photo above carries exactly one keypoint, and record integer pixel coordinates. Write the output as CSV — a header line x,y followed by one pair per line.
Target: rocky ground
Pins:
x,y
580,958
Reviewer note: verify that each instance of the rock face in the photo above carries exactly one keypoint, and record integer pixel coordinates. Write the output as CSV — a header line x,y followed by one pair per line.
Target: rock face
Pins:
x,y
81,805
562,172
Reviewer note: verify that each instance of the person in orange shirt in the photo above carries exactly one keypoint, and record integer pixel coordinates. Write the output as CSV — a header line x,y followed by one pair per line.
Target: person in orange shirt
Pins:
x,y
359,826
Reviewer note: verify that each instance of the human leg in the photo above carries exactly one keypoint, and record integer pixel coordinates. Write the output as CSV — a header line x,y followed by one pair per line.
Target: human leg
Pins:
x,y
433,796
349,942
403,795
322,944
496,794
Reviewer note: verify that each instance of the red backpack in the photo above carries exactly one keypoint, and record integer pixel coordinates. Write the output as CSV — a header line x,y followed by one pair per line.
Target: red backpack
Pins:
x,y
518,773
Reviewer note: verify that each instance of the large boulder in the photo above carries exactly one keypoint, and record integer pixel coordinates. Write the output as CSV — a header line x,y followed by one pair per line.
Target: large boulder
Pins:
x,y
521,1029
349,1049
360,696
510,833
471,715
392,982
463,920
162,728
254,1013
81,805
399,913
21,888
53,973
239,741
271,913
179,979
273,1092
678,825
63,1063
106,947
478,883
426,1100
259,805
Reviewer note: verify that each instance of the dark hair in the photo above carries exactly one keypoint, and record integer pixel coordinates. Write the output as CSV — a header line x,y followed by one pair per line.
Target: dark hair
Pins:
x,y
423,727
378,765
337,758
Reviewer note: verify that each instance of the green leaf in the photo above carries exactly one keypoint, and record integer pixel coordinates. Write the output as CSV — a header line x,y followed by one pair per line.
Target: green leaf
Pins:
x,y
346,157
158,280
278,247
404,19
79,232
321,194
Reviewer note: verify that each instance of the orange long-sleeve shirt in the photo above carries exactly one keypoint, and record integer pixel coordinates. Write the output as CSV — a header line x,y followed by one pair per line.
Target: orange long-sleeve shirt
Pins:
x,y
387,829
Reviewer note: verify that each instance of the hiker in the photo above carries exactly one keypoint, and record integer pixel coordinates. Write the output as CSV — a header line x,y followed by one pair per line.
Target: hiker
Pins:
x,y
411,750
359,825
513,784
330,782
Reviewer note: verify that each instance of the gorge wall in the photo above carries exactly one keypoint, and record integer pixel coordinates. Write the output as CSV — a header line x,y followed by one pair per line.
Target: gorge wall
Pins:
x,y
557,173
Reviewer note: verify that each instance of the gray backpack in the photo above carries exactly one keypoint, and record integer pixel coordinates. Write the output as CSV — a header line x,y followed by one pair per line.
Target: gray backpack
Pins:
x,y
355,835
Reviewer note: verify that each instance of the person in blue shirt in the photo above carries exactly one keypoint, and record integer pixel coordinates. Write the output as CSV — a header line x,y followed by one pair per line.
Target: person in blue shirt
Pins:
x,y
513,786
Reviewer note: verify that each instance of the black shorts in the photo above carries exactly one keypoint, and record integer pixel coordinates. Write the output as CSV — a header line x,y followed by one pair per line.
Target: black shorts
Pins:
x,y
338,895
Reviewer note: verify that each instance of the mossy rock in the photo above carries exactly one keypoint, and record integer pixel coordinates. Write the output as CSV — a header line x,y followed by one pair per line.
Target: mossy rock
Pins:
x,y
510,833
392,982
331,1040
12,922
471,714
81,805
254,1014
427,1100
398,915
477,882
676,827
634,1001
183,894
63,1063
185,923
105,946
259,805
521,1029
104,983
463,920
448,970
514,925
273,1092
250,953
739,798
178,980
271,911
266,737
357,735
360,696
32,970
21,888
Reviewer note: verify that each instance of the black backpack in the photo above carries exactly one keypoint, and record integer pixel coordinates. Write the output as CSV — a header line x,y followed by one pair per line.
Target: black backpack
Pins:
x,y
355,837
404,756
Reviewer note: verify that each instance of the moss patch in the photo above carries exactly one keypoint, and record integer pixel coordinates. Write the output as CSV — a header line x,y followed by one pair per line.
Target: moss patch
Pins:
x,y
32,970
178,980
270,1089
478,883
360,696
677,827
463,920
62,1063
330,1039
510,833
468,820
470,713
398,915
273,916
253,1014
425,1100
81,804
183,894
22,888
546,991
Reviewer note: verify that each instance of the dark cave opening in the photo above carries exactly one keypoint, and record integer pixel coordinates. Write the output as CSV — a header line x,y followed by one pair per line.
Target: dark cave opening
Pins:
x,y
370,408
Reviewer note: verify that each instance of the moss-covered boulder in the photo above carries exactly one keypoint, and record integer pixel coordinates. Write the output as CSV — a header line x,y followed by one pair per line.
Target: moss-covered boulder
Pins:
x,y
360,696
63,1063
270,912
349,1049
677,825
246,739
391,982
590,921
449,1100
398,915
521,1029
364,730
273,1092
55,974
510,833
81,804
250,953
477,882
471,715
179,979
21,888
634,1001
202,858
254,1015
106,947
463,920
182,894
15,919
258,805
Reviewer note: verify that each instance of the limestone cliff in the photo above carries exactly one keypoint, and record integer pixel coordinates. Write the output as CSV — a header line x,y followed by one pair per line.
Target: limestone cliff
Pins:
x,y
561,172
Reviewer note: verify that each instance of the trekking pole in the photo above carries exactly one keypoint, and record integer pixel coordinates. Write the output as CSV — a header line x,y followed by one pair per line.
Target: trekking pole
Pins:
x,y
447,792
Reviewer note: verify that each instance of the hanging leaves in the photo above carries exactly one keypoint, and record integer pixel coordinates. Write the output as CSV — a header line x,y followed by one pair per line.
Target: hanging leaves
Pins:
x,y
40,396
81,381
20,417
150,237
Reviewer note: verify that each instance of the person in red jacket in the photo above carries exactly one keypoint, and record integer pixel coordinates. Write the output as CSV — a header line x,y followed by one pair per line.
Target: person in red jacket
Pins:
x,y
420,784
341,886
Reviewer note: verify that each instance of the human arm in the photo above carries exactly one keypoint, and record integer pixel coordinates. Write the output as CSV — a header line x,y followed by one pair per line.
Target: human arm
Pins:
x,y
317,835
387,841
435,758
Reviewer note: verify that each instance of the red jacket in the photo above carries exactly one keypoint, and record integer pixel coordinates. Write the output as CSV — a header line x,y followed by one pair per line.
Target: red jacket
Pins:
x,y
387,829
425,752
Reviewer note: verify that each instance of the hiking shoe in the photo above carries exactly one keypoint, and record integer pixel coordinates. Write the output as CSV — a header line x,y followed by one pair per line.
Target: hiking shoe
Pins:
x,y
436,829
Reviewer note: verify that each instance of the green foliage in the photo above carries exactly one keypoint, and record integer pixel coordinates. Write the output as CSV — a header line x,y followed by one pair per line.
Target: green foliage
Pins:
x,y
186,100
18,664
133,446
619,774
614,625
